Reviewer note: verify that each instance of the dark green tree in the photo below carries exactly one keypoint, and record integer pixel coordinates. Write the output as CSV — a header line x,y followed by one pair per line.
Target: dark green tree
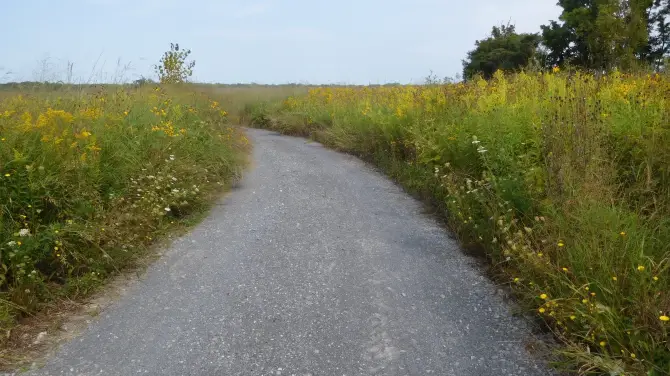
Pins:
x,y
598,34
504,49
659,29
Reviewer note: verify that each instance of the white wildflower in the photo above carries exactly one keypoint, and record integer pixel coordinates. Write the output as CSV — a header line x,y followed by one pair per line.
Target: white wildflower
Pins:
x,y
172,157
167,209
24,232
12,243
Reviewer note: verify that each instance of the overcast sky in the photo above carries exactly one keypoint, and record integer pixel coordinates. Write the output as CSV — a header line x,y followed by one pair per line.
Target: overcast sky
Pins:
x,y
263,41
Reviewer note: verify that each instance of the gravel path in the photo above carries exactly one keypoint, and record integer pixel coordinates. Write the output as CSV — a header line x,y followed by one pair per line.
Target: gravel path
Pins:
x,y
315,265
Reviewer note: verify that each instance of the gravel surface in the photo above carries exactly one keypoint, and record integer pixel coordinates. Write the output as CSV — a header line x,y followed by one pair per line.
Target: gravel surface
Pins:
x,y
314,265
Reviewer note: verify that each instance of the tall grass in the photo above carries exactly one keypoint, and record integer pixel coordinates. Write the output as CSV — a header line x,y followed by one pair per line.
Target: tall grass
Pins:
x,y
562,181
89,177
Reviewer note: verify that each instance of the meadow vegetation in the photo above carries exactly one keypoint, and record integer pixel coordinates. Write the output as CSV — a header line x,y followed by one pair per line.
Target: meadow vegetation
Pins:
x,y
562,180
91,176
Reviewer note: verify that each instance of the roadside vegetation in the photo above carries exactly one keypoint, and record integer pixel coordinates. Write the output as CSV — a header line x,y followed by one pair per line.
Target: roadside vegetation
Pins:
x,y
92,176
562,181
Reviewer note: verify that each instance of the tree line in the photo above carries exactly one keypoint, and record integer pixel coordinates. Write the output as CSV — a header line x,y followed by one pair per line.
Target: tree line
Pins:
x,y
594,35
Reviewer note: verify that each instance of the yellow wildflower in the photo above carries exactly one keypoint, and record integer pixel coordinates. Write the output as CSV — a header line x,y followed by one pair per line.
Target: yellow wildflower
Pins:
x,y
664,318
561,244
543,296
640,268
541,310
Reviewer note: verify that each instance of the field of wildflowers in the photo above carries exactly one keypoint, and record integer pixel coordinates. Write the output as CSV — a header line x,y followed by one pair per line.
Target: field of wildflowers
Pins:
x,y
89,178
561,180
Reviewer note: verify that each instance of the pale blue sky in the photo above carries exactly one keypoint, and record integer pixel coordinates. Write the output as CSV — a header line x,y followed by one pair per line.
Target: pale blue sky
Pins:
x,y
264,41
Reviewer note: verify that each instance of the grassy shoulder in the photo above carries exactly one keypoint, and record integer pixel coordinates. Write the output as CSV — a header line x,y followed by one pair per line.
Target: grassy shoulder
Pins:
x,y
562,181
91,178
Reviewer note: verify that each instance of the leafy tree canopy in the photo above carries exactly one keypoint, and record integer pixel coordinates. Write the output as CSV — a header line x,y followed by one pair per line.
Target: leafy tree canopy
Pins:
x,y
504,49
